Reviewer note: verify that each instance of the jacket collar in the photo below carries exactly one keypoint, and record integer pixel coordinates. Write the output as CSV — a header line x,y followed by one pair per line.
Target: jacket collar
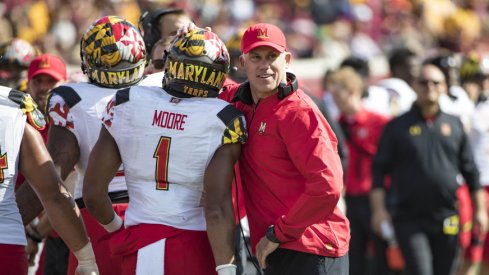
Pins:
x,y
243,93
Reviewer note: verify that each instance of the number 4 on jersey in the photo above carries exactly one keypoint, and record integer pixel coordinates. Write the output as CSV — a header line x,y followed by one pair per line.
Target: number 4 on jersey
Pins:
x,y
3,165
162,154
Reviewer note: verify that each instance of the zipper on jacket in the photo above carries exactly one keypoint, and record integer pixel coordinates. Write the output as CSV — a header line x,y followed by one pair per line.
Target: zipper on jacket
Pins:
x,y
253,114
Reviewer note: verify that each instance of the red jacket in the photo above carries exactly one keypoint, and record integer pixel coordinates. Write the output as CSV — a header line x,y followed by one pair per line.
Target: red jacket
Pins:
x,y
362,133
292,175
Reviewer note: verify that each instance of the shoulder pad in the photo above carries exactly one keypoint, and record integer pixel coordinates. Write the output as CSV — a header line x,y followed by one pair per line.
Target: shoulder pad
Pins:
x,y
235,125
24,100
228,114
122,96
28,107
69,95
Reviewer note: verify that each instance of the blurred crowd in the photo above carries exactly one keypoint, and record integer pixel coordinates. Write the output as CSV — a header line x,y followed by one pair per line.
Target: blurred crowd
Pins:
x,y
314,29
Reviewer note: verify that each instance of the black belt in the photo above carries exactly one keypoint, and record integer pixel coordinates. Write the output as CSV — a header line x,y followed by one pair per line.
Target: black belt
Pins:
x,y
115,197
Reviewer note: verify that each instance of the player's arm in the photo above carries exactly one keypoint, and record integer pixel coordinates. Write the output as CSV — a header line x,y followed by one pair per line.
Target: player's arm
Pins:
x,y
219,211
29,204
103,164
64,150
38,168
381,167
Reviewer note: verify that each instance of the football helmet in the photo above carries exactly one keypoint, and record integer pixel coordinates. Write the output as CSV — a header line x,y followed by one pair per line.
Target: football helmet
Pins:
x,y
17,52
148,25
233,45
474,67
196,64
113,53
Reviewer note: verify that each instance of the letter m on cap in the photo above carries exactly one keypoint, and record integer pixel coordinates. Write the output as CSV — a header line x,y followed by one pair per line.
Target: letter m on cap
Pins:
x,y
44,63
262,33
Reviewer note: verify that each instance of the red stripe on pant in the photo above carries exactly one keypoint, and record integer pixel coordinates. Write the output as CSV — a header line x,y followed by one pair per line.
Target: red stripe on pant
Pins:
x,y
186,252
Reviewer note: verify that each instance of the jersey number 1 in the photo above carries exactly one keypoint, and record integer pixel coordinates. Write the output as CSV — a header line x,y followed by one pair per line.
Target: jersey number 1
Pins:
x,y
162,154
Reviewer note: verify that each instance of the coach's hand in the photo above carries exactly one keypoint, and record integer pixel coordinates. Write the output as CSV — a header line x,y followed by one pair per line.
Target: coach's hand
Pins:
x,y
263,249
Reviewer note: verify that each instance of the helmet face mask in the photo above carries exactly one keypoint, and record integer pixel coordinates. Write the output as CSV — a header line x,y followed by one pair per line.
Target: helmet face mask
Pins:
x,y
113,53
196,64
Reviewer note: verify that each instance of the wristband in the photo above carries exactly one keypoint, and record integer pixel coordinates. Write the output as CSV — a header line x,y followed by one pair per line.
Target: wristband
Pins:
x,y
114,225
85,254
226,269
34,235
86,260
270,234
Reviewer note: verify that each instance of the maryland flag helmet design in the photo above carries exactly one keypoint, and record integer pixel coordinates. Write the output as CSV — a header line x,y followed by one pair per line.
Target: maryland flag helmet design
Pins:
x,y
196,64
17,52
113,53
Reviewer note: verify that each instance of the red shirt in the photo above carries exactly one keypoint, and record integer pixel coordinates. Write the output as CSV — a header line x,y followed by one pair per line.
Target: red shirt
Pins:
x,y
292,175
363,133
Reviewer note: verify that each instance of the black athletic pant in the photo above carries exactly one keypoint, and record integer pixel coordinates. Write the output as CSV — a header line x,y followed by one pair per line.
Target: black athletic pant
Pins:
x,y
426,249
290,262
56,256
361,262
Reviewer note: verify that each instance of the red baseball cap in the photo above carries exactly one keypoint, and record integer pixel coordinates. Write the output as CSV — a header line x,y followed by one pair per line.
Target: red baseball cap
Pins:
x,y
47,64
263,34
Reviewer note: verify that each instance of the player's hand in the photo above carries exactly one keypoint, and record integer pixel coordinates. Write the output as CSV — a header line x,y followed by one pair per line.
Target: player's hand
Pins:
x,y
31,250
86,261
226,269
87,269
188,27
263,249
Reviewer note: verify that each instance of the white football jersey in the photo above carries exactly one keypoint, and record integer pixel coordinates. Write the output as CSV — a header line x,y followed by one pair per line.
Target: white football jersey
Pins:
x,y
165,144
458,104
78,107
479,139
154,79
15,108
